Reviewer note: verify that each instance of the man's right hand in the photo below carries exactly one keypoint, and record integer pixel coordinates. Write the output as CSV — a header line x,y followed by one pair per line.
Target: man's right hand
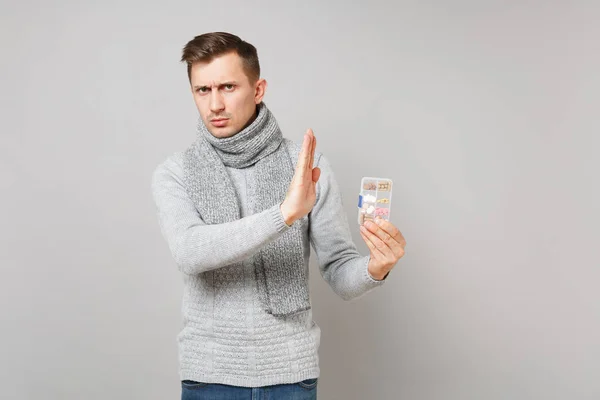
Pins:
x,y
302,193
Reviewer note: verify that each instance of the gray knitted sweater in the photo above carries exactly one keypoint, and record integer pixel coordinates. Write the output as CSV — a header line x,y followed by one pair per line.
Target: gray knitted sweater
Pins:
x,y
227,337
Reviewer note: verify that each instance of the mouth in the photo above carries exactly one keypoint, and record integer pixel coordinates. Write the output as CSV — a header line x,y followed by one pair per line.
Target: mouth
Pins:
x,y
219,122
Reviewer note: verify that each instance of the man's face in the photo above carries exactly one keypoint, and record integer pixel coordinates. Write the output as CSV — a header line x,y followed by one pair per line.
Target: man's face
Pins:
x,y
224,96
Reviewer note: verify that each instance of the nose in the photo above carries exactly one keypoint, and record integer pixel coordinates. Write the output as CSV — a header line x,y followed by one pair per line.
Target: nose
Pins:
x,y
216,102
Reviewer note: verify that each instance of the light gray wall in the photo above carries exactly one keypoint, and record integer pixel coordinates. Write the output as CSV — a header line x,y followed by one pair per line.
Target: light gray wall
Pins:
x,y
485,114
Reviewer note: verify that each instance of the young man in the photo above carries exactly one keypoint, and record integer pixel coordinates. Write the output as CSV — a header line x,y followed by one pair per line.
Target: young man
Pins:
x,y
239,210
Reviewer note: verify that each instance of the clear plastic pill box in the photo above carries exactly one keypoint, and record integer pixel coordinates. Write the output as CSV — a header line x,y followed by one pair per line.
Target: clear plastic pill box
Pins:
x,y
375,199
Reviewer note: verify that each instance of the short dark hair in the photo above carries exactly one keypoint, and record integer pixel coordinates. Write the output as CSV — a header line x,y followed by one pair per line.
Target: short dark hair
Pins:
x,y
209,45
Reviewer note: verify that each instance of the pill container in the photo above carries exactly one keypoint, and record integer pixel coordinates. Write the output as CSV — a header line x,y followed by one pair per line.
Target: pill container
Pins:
x,y
374,199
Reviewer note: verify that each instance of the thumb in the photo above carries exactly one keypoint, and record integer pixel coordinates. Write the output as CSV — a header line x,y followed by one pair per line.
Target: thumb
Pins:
x,y
316,174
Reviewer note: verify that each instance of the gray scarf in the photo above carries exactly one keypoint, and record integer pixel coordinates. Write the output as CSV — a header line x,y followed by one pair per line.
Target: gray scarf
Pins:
x,y
279,266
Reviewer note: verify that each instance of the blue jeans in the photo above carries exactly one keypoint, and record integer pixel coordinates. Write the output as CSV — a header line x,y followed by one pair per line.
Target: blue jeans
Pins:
x,y
304,390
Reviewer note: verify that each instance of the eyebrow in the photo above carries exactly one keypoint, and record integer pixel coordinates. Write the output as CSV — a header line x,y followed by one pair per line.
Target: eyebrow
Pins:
x,y
219,84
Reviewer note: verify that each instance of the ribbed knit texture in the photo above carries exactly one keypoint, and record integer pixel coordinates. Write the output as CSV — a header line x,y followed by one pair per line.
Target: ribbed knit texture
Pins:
x,y
259,139
279,265
227,337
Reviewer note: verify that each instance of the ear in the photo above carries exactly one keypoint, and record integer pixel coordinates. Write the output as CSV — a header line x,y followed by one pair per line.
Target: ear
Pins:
x,y
260,89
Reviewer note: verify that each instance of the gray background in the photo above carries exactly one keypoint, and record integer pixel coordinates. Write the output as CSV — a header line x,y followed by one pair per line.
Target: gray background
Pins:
x,y
485,115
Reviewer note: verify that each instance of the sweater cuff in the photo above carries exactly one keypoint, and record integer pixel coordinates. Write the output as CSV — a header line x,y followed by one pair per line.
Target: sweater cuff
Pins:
x,y
277,218
369,277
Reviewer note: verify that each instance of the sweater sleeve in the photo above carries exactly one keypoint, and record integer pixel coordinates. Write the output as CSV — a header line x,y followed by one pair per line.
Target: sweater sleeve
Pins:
x,y
340,263
196,246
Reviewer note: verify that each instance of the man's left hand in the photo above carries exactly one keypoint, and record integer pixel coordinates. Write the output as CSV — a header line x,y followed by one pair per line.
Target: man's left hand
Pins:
x,y
386,244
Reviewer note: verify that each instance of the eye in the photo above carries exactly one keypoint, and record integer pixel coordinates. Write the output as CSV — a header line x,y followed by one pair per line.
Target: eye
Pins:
x,y
229,87
202,89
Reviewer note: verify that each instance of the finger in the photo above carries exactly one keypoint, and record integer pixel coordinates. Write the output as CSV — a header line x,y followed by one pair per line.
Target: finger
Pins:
x,y
307,170
379,244
383,236
312,150
375,252
304,157
390,229
397,243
